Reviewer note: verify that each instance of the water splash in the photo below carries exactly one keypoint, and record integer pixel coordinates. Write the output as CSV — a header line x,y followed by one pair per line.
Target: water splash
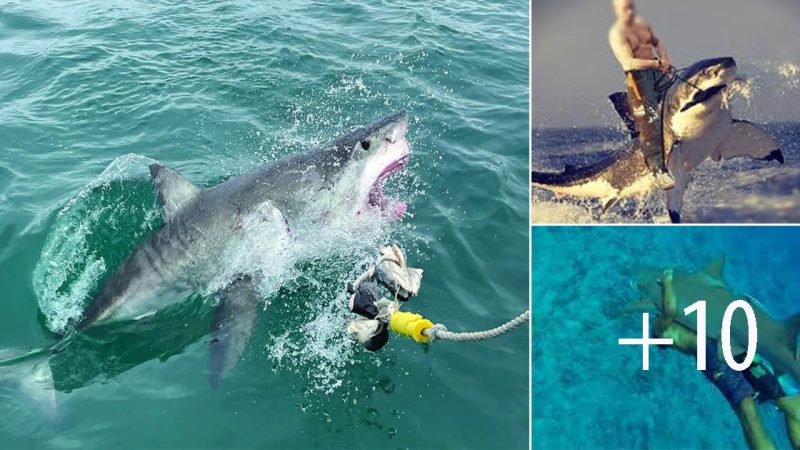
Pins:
x,y
790,72
118,207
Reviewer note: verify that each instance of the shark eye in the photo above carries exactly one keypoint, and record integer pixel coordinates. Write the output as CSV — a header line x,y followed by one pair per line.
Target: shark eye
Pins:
x,y
365,145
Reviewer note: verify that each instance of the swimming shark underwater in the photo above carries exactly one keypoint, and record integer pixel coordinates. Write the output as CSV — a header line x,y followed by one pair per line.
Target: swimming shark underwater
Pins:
x,y
777,341
337,184
697,125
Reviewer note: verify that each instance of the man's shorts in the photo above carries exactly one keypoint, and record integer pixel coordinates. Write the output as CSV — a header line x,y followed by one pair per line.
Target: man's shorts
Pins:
x,y
733,385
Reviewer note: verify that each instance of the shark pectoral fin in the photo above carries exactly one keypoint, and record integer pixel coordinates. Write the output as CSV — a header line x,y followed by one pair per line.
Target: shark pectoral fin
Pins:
x,y
716,267
173,190
748,140
233,323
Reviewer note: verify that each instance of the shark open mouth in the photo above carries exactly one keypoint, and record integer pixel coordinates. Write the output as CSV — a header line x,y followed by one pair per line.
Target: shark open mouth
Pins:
x,y
389,207
704,95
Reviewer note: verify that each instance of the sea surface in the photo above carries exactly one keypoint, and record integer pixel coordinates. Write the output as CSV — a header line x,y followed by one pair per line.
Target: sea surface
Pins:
x,y
93,92
590,392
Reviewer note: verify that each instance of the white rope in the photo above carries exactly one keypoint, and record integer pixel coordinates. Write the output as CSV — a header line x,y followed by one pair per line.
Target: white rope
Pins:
x,y
439,331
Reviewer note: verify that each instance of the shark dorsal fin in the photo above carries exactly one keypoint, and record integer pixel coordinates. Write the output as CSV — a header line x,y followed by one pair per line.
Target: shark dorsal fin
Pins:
x,y
173,190
715,267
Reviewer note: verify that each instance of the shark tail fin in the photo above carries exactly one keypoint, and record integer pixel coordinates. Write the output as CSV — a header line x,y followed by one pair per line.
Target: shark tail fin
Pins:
x,y
26,376
793,327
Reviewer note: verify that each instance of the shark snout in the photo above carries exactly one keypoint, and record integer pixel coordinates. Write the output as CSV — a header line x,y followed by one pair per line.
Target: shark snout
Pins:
x,y
725,62
728,62
399,128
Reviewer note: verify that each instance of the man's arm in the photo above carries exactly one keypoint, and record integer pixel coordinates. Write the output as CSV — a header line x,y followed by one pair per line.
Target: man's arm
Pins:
x,y
624,54
658,44
665,325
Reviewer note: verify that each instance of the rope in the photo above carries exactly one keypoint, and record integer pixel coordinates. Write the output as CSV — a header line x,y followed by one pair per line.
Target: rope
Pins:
x,y
439,331
676,75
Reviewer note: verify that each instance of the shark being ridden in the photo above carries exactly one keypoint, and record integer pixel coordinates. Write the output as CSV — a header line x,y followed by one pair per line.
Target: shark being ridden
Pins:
x,y
777,341
697,125
334,186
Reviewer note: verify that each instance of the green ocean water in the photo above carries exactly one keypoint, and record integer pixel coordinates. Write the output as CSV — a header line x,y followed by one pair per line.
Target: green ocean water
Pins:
x,y
213,89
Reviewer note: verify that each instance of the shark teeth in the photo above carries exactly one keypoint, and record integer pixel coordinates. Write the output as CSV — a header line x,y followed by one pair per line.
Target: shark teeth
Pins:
x,y
376,198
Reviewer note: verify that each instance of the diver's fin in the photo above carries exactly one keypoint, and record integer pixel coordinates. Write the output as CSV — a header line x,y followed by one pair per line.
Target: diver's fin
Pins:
x,y
233,322
792,325
569,168
30,379
620,102
608,203
748,140
716,267
173,190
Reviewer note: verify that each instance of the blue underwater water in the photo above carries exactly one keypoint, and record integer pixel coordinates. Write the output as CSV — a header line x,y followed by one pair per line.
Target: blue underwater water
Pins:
x,y
590,392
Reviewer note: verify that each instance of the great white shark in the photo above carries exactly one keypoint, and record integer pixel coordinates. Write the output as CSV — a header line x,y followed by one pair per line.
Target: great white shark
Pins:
x,y
778,341
336,184
697,124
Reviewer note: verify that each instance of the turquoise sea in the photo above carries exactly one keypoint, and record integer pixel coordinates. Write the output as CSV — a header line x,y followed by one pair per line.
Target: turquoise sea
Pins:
x,y
92,92
591,393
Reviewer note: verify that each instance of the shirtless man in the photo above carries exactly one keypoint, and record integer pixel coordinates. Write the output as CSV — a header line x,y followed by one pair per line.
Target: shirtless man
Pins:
x,y
742,390
646,64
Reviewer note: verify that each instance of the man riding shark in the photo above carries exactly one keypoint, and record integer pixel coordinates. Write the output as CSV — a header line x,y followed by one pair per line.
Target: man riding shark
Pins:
x,y
338,184
697,124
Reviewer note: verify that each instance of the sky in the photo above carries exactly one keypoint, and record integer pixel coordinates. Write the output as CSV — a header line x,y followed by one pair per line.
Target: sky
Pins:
x,y
573,69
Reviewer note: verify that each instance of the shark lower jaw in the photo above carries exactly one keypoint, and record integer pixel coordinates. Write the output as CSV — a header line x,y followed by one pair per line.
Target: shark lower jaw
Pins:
x,y
389,208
